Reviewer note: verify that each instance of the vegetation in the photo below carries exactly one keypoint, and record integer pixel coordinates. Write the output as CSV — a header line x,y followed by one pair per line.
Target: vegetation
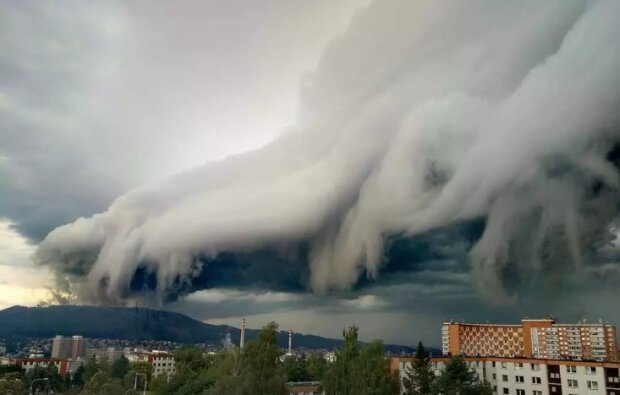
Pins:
x,y
459,379
456,379
419,380
358,371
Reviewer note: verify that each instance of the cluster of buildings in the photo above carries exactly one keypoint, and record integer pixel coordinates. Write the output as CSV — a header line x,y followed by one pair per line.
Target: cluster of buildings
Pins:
x,y
69,353
537,357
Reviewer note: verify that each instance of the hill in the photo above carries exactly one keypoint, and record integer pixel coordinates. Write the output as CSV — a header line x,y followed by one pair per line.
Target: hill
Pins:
x,y
135,323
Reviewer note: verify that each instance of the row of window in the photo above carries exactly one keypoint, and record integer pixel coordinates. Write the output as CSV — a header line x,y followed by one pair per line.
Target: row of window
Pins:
x,y
521,391
592,385
520,379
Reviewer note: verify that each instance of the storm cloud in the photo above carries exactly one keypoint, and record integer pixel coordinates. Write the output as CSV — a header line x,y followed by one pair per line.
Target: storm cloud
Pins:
x,y
487,128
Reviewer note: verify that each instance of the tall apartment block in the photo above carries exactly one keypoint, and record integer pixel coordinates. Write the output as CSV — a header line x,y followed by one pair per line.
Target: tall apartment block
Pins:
x,y
68,347
534,338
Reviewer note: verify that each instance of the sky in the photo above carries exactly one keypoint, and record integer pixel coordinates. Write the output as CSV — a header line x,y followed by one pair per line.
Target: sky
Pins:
x,y
385,164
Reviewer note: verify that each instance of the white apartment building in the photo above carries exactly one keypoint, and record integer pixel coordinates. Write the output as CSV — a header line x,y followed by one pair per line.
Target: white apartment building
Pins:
x,y
162,361
510,376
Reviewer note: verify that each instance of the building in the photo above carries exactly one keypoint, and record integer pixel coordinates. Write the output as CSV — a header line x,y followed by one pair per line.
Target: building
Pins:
x,y
530,376
65,347
304,388
537,338
162,361
27,364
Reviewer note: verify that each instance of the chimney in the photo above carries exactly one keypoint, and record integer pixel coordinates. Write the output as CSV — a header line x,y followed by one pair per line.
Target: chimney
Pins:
x,y
290,342
242,341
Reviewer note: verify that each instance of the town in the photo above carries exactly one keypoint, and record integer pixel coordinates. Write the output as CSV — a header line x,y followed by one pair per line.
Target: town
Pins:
x,y
536,357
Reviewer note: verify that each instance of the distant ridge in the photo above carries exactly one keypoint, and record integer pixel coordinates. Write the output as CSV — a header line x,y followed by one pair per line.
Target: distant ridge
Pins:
x,y
136,323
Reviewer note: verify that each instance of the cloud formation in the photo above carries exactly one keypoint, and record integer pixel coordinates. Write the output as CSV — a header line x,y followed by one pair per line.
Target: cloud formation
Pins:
x,y
421,117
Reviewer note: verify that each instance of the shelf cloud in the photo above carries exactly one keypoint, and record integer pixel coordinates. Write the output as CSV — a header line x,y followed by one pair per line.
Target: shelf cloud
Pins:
x,y
475,136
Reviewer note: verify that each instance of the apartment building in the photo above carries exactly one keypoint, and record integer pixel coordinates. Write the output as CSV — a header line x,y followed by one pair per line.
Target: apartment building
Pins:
x,y
68,347
162,361
534,338
27,364
529,376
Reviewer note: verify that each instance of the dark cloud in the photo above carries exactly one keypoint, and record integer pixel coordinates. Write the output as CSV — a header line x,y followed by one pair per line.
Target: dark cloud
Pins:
x,y
446,158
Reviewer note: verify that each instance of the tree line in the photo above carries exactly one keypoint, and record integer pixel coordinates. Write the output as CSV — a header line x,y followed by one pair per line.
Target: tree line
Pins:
x,y
258,369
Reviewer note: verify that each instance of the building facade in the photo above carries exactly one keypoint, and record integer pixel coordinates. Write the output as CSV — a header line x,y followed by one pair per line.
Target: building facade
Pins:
x,y
529,376
68,347
163,362
27,364
539,338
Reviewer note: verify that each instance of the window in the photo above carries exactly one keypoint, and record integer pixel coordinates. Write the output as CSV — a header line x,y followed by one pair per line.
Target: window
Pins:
x,y
504,365
535,367
506,391
495,376
519,365
590,370
571,369
536,392
592,385
572,383
520,379
520,391
536,380
613,379
504,377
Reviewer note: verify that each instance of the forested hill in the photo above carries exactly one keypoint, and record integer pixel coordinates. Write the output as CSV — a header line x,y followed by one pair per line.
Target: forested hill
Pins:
x,y
135,323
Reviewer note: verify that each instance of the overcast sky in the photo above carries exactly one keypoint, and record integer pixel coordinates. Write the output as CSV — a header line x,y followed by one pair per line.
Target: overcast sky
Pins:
x,y
388,164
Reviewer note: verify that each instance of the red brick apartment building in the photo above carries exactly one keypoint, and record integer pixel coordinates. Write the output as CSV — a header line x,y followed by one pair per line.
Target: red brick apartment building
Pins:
x,y
534,338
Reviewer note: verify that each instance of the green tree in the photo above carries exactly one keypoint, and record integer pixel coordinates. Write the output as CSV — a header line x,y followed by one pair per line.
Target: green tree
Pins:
x,y
420,378
90,369
194,374
317,365
119,368
339,377
459,379
358,371
296,369
12,386
372,372
262,375
54,380
78,377
96,384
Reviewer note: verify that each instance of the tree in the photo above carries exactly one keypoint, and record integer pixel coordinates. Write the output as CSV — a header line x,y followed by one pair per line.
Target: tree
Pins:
x,y
317,365
78,377
459,379
96,384
420,378
356,371
12,386
90,369
119,368
338,377
261,374
296,369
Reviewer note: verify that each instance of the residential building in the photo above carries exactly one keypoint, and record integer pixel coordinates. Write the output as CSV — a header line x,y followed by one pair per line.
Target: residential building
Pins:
x,y
68,347
533,338
162,361
28,364
530,376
